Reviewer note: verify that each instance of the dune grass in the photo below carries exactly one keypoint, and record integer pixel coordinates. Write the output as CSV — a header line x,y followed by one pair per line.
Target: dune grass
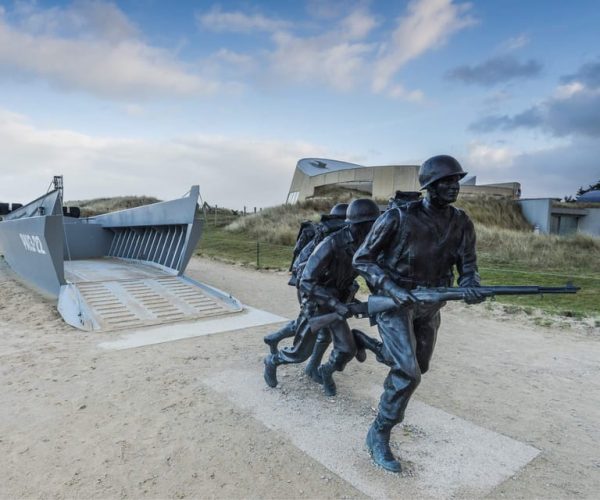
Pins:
x,y
494,212
279,225
98,206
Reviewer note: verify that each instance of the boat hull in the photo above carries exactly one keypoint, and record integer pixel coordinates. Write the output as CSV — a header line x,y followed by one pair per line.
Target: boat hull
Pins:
x,y
33,247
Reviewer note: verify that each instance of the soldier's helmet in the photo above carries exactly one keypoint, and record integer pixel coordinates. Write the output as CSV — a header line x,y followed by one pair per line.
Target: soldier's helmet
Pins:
x,y
339,211
362,210
438,167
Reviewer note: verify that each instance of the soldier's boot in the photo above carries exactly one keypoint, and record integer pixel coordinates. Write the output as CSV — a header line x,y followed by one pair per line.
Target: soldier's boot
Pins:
x,y
361,354
364,341
312,367
273,339
270,373
326,373
378,444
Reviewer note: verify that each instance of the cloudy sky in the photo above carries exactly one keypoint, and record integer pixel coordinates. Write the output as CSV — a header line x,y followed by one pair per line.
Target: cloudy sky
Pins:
x,y
150,97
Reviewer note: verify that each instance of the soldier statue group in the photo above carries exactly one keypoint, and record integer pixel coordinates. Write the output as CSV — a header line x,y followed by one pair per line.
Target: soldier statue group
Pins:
x,y
408,256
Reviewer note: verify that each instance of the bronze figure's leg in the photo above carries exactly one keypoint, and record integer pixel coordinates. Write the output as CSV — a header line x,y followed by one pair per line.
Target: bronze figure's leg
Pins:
x,y
321,345
378,444
426,325
344,349
399,348
304,342
364,341
273,339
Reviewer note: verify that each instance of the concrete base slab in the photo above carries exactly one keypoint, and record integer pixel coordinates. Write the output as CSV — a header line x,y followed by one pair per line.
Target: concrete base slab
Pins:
x,y
442,455
248,318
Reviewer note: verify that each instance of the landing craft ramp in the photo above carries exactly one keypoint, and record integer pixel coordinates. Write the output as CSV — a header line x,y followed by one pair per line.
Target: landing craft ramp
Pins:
x,y
109,294
115,271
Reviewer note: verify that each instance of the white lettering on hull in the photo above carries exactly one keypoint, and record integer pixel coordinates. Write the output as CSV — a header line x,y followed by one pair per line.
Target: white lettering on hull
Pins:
x,y
32,243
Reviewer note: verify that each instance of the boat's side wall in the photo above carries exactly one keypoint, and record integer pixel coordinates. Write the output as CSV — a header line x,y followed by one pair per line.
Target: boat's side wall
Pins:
x,y
33,247
164,234
193,236
48,204
180,211
86,241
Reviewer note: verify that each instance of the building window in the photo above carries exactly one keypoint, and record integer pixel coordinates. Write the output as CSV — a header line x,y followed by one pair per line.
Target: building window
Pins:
x,y
293,197
563,224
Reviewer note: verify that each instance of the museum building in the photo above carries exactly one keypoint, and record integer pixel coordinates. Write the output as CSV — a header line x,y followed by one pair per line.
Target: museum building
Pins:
x,y
315,177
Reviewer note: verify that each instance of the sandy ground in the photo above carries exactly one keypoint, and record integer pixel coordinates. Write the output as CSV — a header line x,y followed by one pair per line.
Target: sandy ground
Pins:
x,y
80,421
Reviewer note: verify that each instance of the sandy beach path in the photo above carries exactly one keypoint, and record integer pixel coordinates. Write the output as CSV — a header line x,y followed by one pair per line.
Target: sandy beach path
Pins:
x,y
187,418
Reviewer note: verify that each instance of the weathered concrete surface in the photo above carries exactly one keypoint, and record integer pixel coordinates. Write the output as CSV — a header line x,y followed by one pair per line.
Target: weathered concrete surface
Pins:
x,y
248,318
443,456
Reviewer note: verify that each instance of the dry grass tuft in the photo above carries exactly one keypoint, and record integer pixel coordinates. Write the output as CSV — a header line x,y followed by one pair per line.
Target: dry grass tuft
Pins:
x,y
494,212
538,251
99,206
279,225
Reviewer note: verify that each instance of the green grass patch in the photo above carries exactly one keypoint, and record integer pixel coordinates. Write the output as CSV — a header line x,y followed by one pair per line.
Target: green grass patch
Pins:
x,y
239,247
584,303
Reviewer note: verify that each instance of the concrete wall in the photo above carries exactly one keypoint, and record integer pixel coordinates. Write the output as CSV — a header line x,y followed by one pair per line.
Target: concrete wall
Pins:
x,y
590,224
540,212
510,190
537,212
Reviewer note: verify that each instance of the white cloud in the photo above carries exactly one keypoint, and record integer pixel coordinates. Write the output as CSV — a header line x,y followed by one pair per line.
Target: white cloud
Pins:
x,y
357,25
90,18
516,42
242,63
231,171
91,46
399,92
238,22
486,157
347,52
568,90
549,171
329,9
427,25
99,54
337,62
337,57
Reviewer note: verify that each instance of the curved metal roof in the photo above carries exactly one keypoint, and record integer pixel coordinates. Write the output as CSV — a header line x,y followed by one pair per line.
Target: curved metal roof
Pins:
x,y
589,197
317,166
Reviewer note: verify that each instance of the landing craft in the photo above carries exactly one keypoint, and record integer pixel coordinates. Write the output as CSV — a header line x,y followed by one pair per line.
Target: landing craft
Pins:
x,y
119,270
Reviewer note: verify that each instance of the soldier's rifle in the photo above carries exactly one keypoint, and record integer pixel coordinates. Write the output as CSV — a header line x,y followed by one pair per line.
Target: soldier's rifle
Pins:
x,y
382,303
358,309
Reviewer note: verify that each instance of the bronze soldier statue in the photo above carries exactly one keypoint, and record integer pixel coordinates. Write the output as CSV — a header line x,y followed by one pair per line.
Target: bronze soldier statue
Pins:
x,y
310,231
416,245
329,224
327,285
